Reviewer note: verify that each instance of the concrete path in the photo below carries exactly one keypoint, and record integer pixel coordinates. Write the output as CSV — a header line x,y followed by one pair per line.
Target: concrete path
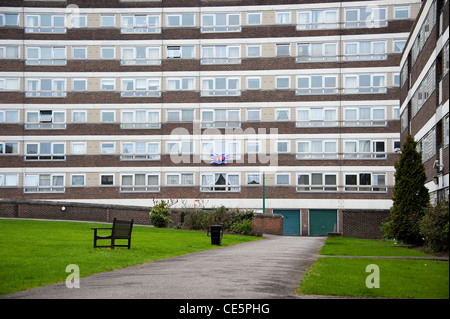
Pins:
x,y
264,269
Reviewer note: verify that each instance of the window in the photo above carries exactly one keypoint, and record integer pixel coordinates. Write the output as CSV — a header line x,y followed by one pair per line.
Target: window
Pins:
x,y
131,119
106,179
108,52
107,147
79,53
108,116
365,50
180,52
45,151
401,12
253,179
45,23
108,84
9,52
253,115
396,79
221,86
183,84
140,151
254,18
220,118
183,147
220,182
221,22
253,83
9,19
316,149
253,50
79,116
427,145
283,146
424,32
180,20
282,114
180,116
78,148
317,117
9,180
9,148
399,45
316,52
282,82
141,87
316,84
253,146
283,50
45,88
78,179
364,116
424,91
221,54
44,183
9,116
364,149
282,179
368,17
317,19
108,21
446,131
316,182
365,182
45,119
140,182
365,83
227,147
177,179
283,17
46,56
9,84
79,84
141,23
141,56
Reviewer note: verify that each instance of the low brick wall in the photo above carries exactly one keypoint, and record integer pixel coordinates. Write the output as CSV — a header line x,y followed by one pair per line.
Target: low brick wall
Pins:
x,y
364,223
73,211
268,224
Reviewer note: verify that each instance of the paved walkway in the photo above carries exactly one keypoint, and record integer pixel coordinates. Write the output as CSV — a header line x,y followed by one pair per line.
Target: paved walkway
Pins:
x,y
269,268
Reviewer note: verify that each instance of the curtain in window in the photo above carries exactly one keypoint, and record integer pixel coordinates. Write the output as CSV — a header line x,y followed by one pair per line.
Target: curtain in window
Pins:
x,y
31,180
173,180
233,179
127,180
58,181
207,179
302,115
153,148
187,179
351,84
350,149
153,180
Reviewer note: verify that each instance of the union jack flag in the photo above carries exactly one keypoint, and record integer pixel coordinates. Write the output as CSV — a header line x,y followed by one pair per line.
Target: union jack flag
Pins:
x,y
219,158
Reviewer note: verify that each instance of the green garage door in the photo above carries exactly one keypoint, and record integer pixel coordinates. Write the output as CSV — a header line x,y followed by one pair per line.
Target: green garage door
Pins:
x,y
291,221
322,221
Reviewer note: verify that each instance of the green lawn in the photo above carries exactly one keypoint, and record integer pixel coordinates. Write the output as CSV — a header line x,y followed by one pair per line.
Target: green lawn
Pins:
x,y
398,278
36,253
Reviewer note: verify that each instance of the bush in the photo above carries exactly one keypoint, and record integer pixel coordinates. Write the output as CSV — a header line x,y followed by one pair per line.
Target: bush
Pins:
x,y
198,220
434,227
159,215
244,227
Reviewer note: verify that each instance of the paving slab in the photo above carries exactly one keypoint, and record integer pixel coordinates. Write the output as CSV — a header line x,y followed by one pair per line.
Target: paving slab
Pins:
x,y
263,269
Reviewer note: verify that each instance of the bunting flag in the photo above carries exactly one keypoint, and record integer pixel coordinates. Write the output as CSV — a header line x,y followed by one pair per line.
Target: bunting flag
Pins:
x,y
219,158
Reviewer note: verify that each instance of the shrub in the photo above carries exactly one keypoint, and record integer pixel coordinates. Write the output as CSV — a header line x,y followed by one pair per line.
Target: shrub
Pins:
x,y
244,227
434,227
159,215
197,220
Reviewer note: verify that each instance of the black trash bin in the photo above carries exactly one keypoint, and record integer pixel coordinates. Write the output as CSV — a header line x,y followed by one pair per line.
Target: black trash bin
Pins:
x,y
216,235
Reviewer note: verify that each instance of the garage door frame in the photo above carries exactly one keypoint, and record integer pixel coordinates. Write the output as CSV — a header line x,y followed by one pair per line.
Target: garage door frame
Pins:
x,y
298,211
329,228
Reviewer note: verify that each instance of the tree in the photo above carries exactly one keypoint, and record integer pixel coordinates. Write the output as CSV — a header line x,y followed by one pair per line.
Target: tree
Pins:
x,y
159,215
411,197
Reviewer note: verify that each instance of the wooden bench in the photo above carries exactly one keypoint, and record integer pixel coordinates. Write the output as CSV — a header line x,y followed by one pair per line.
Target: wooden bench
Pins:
x,y
121,229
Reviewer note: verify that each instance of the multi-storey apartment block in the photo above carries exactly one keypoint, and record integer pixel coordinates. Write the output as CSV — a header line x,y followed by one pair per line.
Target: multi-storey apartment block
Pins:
x,y
208,102
424,93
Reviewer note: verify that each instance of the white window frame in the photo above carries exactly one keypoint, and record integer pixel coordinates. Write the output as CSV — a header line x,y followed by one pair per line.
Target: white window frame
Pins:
x,y
319,90
134,28
140,61
4,145
226,145
180,17
140,188
77,175
9,180
213,187
317,155
317,122
365,56
216,59
219,122
365,188
311,57
132,154
323,24
358,121
49,61
46,29
45,93
135,124
323,187
103,148
227,91
365,89
45,122
373,22
37,188
5,52
227,27
138,92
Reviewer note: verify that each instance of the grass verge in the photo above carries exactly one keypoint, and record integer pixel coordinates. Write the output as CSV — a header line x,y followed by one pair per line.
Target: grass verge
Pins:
x,y
36,253
398,278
